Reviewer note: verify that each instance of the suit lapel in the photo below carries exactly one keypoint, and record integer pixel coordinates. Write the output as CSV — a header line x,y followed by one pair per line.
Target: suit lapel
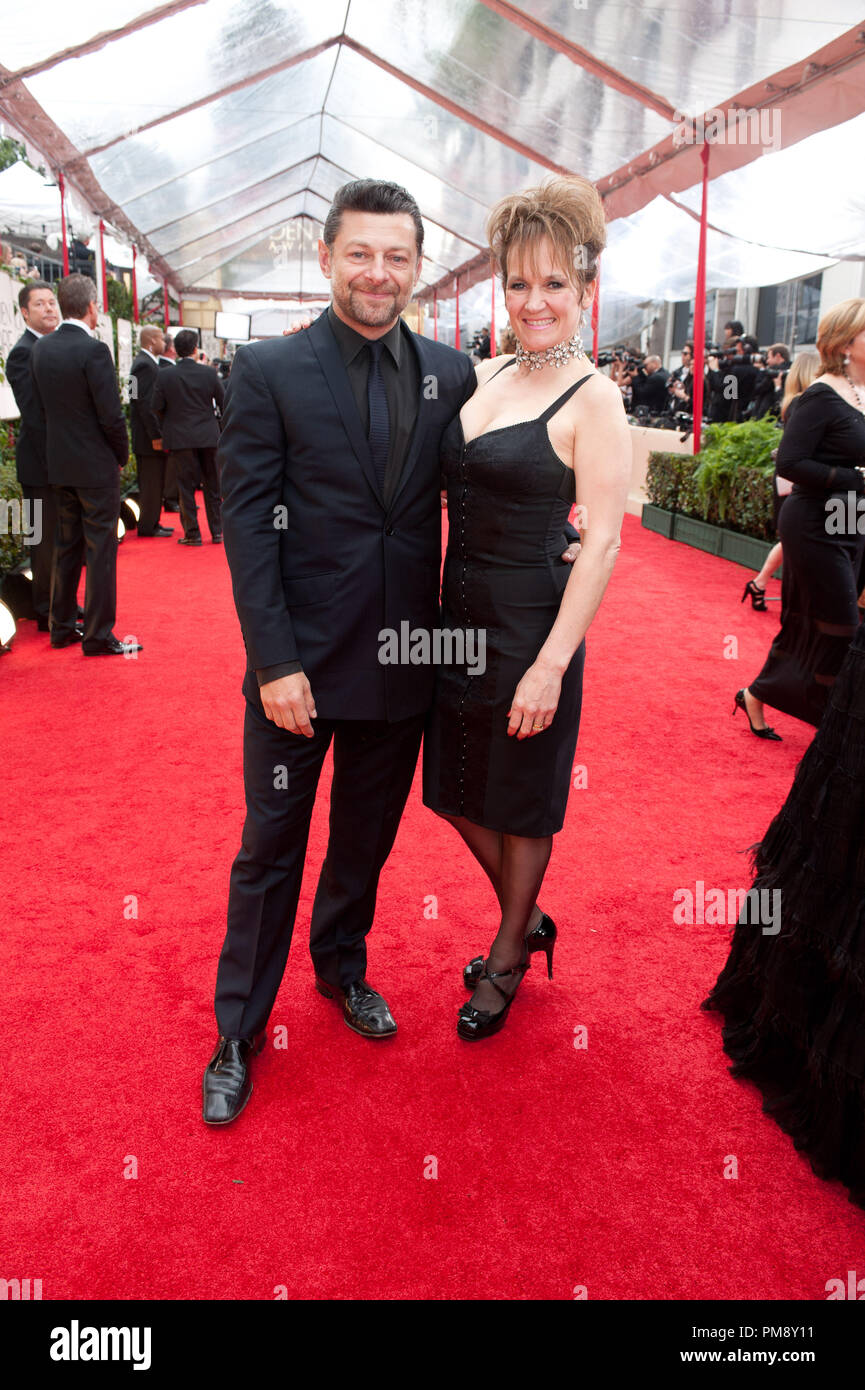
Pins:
x,y
326,349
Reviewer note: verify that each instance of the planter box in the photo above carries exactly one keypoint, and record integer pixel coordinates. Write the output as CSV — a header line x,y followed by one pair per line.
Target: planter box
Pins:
x,y
744,550
700,534
716,540
656,519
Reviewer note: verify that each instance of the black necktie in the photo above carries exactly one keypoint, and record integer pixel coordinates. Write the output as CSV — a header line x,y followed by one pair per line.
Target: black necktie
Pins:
x,y
379,418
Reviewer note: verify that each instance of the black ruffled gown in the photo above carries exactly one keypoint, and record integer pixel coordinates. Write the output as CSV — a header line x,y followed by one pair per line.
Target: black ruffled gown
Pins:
x,y
794,1003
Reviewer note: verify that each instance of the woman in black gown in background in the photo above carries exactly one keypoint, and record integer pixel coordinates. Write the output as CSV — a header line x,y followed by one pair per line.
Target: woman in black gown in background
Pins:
x,y
822,452
539,433
793,997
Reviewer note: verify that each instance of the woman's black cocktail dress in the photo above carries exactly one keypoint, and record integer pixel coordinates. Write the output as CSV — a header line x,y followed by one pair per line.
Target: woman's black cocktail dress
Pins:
x,y
509,496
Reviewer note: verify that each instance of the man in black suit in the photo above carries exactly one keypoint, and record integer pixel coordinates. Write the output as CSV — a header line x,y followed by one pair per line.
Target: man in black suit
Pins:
x,y
86,446
331,478
170,494
40,313
146,443
184,401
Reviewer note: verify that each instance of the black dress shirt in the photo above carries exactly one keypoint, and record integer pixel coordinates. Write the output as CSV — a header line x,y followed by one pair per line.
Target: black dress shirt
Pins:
x,y
401,375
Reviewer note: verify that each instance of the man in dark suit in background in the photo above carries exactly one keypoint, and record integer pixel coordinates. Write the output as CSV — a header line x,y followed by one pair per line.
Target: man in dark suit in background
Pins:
x,y
146,443
184,401
170,494
86,446
41,314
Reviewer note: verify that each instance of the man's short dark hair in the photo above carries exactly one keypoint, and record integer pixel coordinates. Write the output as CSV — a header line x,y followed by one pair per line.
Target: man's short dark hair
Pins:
x,y
75,294
25,293
750,343
185,342
736,328
371,195
781,350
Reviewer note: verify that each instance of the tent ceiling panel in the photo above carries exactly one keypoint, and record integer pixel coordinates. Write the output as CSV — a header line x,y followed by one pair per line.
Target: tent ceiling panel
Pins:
x,y
185,58
462,212
696,53
781,199
216,130
61,26
174,235
487,65
225,175
653,254
400,120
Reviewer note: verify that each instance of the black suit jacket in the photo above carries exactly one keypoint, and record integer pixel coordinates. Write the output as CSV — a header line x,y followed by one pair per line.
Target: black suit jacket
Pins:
x,y
86,440
144,427
182,402
319,565
30,459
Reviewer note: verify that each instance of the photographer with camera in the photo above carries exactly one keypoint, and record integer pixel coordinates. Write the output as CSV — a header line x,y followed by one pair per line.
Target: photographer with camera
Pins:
x,y
769,388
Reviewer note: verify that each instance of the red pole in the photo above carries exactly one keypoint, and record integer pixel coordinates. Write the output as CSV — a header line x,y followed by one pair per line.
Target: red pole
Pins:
x,y
134,287
700,306
165,299
596,315
102,264
62,184
180,312
436,315
458,313
493,320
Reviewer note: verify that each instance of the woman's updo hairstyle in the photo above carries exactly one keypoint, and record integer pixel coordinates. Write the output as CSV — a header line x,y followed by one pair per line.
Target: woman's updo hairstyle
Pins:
x,y
566,211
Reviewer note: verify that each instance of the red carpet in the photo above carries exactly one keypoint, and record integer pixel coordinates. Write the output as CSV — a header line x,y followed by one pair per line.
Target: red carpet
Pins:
x,y
557,1167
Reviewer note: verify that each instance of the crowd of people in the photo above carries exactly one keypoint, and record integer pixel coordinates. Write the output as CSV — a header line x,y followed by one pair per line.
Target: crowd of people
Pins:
x,y
73,445
741,380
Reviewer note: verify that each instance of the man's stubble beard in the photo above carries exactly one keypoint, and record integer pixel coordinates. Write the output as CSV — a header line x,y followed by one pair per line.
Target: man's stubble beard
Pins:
x,y
352,304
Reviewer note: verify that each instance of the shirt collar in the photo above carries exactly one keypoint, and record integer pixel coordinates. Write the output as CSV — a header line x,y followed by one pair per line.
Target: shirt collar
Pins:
x,y
351,342
79,323
151,355
35,331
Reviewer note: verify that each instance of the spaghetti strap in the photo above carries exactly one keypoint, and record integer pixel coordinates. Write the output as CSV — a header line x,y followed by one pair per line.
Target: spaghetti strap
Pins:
x,y
565,396
501,369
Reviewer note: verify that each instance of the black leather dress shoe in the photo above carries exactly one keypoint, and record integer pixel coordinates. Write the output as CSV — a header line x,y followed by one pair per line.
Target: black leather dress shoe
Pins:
x,y
189,540
227,1085
68,641
217,539
171,507
157,531
364,1011
111,647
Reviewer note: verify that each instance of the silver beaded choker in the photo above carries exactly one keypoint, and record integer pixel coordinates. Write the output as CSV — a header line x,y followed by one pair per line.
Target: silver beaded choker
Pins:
x,y
558,355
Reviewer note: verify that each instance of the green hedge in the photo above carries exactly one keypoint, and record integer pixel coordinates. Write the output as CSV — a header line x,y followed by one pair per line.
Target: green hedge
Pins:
x,y
729,483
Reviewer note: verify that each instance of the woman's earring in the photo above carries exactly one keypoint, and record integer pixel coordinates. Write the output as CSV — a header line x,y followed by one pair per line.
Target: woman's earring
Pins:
x,y
846,359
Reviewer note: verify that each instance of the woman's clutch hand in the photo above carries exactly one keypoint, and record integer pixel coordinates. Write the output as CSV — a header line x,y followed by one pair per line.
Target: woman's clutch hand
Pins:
x,y
535,702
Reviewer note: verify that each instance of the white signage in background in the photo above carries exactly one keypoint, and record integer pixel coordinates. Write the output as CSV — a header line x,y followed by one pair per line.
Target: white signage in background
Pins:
x,y
11,328
104,331
211,345
124,347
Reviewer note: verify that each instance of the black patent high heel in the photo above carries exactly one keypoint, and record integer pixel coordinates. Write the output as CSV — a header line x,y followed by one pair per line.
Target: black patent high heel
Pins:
x,y
739,703
758,596
540,938
479,1023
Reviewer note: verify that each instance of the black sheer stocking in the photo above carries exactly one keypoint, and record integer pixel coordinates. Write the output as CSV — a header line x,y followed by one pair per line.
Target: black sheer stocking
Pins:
x,y
515,866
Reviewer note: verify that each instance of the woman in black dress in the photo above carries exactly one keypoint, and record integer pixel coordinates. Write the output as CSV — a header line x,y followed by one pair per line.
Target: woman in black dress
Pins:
x,y
540,432
822,531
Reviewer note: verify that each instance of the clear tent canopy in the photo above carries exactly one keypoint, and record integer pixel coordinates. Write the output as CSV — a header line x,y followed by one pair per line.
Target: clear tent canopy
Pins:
x,y
213,133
